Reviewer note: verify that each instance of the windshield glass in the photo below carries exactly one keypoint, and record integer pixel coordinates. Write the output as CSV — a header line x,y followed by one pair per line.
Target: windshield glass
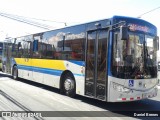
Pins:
x,y
134,58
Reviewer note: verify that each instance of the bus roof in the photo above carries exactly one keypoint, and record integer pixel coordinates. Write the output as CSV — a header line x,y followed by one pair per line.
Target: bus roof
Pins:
x,y
112,20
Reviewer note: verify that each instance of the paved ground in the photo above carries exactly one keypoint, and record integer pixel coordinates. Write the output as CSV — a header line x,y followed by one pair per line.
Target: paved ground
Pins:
x,y
23,95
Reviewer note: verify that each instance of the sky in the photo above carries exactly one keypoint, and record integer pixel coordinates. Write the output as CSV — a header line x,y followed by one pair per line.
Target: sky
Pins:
x,y
71,12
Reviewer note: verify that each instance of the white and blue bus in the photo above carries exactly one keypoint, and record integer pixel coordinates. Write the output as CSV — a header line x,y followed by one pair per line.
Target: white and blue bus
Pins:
x,y
1,48
112,60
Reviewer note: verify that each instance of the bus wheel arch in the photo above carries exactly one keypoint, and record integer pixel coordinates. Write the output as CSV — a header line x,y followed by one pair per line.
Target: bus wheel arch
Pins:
x,y
68,83
15,72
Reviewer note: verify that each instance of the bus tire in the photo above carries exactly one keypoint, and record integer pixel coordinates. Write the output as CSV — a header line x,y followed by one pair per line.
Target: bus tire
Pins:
x,y
15,73
69,85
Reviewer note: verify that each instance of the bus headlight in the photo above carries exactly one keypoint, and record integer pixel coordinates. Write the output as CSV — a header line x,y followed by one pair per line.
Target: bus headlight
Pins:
x,y
120,88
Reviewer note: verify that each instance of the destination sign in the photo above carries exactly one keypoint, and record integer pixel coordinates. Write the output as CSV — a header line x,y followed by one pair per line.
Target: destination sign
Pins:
x,y
135,27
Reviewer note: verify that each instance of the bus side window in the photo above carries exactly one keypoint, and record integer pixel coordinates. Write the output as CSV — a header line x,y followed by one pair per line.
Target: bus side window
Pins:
x,y
37,49
35,45
73,49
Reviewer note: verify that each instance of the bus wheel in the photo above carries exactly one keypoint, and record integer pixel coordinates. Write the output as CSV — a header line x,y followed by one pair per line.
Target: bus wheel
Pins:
x,y
69,85
15,73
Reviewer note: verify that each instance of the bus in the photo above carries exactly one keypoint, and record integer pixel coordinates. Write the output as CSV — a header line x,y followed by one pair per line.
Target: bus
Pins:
x,y
112,60
159,73
1,47
158,65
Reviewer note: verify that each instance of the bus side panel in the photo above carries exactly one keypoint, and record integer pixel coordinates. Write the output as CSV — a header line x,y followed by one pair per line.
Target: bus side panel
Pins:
x,y
80,85
40,70
37,77
26,74
48,72
47,79
78,70
51,80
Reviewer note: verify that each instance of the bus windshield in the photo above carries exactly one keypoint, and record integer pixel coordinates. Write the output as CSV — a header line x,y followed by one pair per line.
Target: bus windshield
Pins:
x,y
134,58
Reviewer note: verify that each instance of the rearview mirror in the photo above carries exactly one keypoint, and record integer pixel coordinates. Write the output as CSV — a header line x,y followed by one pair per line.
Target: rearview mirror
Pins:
x,y
124,33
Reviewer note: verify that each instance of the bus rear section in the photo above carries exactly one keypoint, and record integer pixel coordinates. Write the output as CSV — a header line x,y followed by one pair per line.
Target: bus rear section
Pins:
x,y
1,48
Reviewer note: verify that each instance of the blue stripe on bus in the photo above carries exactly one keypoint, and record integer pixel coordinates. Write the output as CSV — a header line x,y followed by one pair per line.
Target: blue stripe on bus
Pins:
x,y
47,71
43,70
81,63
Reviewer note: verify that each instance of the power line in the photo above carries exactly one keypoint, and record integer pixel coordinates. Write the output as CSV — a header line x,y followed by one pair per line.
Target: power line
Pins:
x,y
63,22
148,12
45,20
27,21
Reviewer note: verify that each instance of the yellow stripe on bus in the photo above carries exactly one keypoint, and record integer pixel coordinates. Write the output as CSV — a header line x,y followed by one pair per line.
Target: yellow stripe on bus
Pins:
x,y
42,63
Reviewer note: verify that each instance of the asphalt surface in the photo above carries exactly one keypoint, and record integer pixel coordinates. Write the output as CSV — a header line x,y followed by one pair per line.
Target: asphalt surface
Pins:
x,y
22,97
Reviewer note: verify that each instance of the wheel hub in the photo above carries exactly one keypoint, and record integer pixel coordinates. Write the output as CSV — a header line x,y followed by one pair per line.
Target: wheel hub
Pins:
x,y
68,84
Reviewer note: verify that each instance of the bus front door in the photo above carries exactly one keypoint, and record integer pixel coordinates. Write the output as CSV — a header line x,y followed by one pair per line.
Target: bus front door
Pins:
x,y
96,64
